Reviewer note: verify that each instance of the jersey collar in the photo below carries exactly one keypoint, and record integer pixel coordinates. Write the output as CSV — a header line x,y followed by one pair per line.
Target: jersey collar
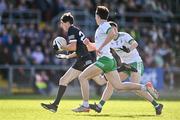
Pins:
x,y
103,21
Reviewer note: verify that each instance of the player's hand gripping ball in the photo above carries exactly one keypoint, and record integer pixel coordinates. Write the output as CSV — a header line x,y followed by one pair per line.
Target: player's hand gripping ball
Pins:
x,y
59,43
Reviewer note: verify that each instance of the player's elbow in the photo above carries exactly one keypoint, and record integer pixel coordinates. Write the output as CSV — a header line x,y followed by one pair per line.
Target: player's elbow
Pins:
x,y
70,47
113,34
135,44
86,41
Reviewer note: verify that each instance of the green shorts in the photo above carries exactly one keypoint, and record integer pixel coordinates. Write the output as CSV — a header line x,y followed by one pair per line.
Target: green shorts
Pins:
x,y
139,66
106,64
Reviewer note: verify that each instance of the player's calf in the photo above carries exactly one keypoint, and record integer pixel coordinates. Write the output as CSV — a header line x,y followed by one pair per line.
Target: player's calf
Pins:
x,y
152,90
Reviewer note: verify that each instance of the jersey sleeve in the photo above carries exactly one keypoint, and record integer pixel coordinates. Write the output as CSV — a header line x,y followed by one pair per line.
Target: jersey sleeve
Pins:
x,y
72,34
128,38
76,34
106,27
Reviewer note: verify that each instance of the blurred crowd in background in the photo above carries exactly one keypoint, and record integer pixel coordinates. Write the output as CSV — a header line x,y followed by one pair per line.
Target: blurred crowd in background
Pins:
x,y
31,44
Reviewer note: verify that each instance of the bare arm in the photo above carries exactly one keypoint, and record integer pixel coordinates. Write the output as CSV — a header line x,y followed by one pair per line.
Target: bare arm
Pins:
x,y
63,56
72,55
71,46
91,46
133,44
110,36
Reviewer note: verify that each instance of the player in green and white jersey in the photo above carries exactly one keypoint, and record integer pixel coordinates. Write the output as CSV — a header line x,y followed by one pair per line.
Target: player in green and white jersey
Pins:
x,y
105,63
125,47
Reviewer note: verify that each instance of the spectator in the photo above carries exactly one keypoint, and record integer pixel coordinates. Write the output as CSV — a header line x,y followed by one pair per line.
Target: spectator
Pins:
x,y
42,83
37,56
3,6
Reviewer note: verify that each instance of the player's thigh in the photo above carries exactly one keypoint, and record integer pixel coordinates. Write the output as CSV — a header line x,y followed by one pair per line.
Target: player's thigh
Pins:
x,y
114,79
123,76
90,72
70,75
135,77
100,79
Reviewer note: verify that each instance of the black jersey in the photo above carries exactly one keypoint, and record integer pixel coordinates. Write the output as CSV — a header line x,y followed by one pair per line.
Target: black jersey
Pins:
x,y
75,34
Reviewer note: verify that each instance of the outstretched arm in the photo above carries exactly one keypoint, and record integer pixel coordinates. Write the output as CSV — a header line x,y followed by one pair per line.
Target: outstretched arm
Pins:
x,y
110,36
71,46
133,44
91,46
64,56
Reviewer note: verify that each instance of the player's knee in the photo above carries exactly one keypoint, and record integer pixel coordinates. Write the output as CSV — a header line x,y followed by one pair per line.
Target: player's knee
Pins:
x,y
81,78
63,81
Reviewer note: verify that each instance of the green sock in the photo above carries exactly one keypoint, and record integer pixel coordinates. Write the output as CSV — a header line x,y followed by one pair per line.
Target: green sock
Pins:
x,y
101,103
155,104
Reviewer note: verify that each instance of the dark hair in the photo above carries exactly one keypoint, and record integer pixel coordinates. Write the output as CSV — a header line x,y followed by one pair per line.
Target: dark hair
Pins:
x,y
103,12
113,24
67,17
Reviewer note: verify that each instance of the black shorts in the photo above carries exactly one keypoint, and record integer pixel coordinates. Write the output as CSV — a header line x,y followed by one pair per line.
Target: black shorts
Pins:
x,y
83,62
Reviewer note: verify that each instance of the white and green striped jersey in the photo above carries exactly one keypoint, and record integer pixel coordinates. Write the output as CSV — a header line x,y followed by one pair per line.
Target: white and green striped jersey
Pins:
x,y
100,36
124,39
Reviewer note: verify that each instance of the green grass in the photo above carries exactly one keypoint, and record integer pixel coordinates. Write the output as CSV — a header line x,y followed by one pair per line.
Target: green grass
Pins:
x,y
24,109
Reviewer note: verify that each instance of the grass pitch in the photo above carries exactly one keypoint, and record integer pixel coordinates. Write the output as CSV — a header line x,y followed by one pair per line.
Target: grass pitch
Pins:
x,y
30,109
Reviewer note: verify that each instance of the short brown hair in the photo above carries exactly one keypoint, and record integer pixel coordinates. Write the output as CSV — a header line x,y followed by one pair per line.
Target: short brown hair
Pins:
x,y
103,12
67,17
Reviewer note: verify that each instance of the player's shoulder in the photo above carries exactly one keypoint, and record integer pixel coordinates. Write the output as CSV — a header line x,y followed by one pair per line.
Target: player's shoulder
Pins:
x,y
104,27
73,28
124,34
105,24
73,32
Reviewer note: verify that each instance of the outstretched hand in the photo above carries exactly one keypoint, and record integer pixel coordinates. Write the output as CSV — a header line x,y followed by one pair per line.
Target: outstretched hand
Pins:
x,y
125,49
86,41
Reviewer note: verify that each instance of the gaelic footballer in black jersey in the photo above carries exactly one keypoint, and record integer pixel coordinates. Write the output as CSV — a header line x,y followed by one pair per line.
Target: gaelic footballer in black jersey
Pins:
x,y
84,58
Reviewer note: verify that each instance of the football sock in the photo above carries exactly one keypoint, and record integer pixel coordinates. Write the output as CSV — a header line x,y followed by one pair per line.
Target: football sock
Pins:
x,y
61,91
155,104
101,103
86,104
143,87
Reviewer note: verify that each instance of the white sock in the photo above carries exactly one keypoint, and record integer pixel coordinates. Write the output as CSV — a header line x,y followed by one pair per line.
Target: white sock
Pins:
x,y
157,106
143,87
85,103
99,105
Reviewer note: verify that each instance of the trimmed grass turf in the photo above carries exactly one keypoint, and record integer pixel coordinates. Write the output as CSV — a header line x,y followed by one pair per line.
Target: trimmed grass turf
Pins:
x,y
24,109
